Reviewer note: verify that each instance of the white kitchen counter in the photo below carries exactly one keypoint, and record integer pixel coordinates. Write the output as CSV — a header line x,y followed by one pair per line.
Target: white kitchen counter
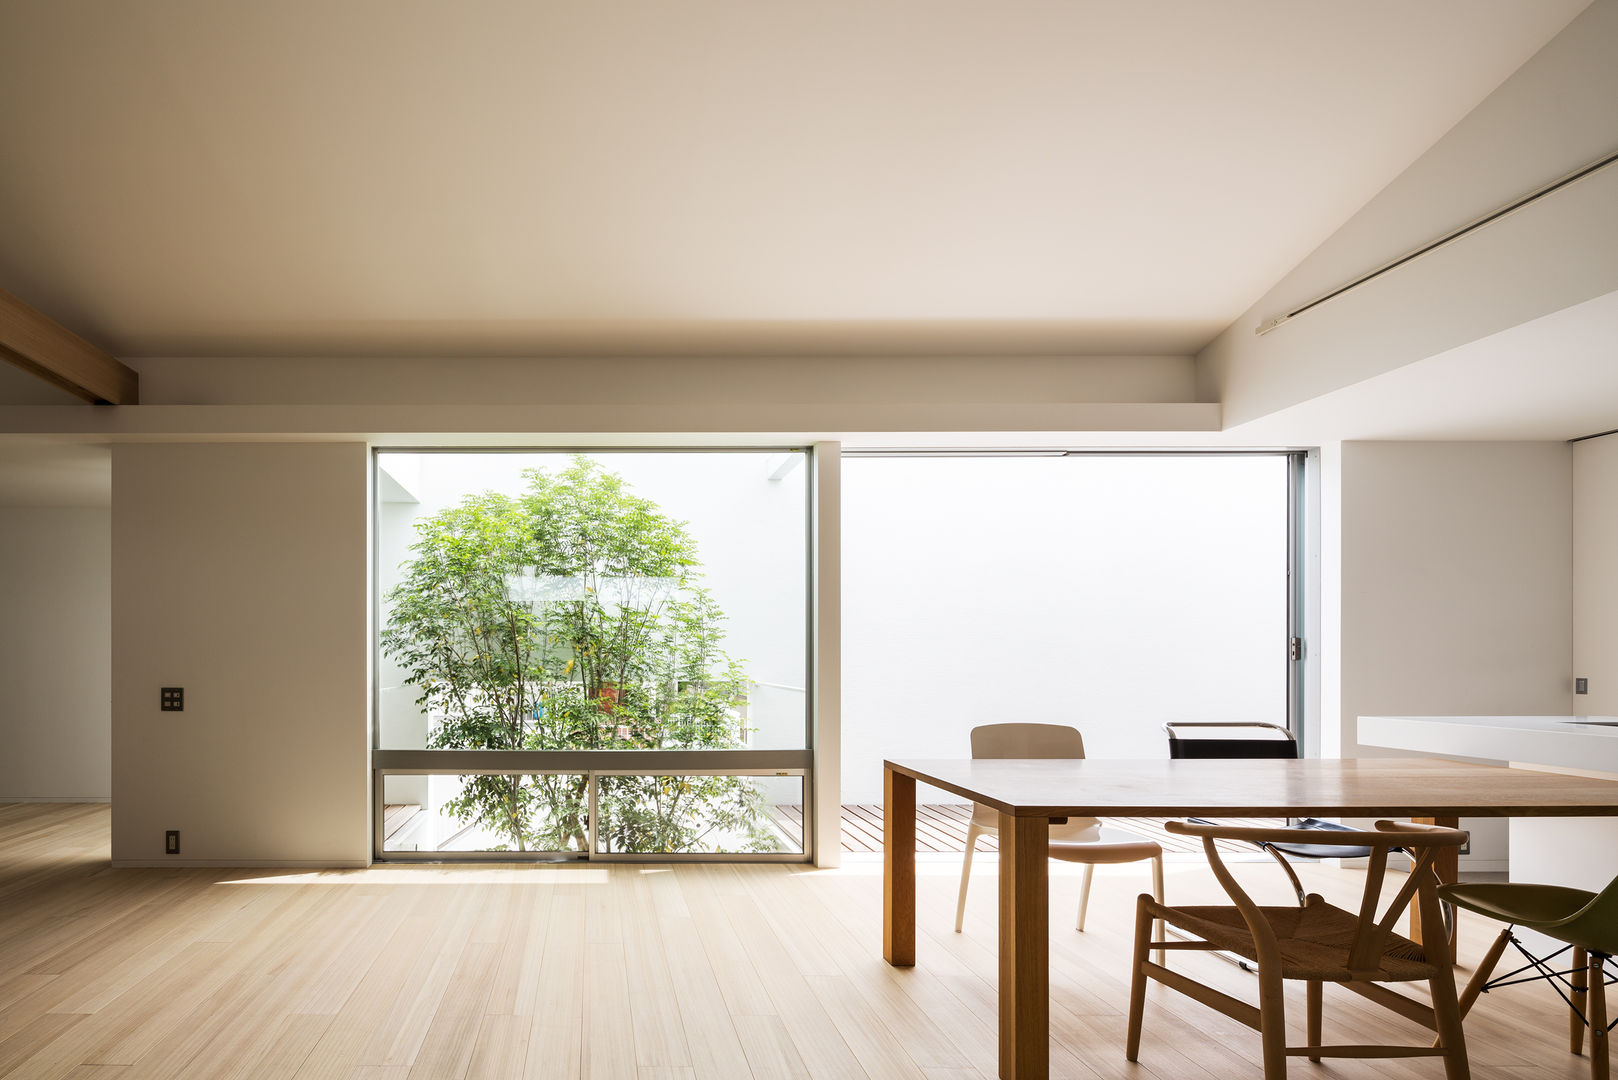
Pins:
x,y
1565,851
1568,742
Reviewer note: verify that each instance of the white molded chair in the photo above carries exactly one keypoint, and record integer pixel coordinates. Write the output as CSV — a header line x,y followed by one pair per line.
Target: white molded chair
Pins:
x,y
1080,840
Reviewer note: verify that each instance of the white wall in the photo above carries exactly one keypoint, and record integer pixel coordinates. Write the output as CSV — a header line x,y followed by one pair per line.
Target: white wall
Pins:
x,y
1111,593
1456,572
1595,573
1559,849
1552,116
240,572
55,653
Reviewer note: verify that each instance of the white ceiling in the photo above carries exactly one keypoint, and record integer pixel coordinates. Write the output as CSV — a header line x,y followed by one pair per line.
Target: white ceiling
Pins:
x,y
720,176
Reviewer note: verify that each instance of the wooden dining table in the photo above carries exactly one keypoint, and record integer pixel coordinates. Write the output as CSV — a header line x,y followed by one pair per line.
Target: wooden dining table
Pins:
x,y
1032,794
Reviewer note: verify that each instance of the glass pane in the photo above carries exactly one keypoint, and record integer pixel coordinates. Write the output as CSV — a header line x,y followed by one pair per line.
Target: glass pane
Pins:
x,y
485,812
659,815
1109,593
592,601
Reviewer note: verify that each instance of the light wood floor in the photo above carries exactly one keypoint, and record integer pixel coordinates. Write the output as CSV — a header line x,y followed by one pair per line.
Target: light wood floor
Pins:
x,y
636,971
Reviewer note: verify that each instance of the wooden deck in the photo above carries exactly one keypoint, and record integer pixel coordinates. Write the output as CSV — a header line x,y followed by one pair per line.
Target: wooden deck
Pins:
x,y
942,827
939,827
396,816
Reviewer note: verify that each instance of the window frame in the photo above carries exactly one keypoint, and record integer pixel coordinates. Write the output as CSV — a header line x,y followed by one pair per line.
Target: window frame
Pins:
x,y
691,762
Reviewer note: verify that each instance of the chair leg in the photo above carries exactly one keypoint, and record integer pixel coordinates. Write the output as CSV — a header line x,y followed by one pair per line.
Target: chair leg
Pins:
x,y
1312,991
1447,1018
1581,999
1137,983
1292,875
1272,1018
1598,1018
1480,977
973,831
1084,895
1157,894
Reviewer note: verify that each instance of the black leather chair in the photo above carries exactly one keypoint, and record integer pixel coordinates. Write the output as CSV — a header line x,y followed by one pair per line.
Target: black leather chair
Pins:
x,y
1233,740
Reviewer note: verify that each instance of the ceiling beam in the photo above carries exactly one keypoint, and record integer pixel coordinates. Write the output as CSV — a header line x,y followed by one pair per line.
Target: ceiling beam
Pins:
x,y
56,354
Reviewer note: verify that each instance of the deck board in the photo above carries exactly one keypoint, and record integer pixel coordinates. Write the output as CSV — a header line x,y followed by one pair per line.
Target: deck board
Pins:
x,y
396,816
941,827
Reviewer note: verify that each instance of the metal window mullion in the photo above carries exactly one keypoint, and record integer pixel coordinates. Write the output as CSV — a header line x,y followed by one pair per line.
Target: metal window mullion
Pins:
x,y
1298,495
378,814
582,761
595,815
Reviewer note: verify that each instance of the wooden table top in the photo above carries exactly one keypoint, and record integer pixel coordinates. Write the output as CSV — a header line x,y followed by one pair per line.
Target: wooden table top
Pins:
x,y
1349,787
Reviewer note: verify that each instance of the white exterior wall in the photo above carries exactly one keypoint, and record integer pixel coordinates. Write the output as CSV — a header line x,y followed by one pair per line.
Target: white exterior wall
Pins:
x,y
55,653
1107,593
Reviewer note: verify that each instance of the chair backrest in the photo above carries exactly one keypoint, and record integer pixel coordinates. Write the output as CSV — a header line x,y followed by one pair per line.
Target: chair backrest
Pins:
x,y
1421,842
1229,739
1026,741
1595,925
1032,741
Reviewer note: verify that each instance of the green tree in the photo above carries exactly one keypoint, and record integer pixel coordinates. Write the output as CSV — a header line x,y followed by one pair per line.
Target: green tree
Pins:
x,y
572,617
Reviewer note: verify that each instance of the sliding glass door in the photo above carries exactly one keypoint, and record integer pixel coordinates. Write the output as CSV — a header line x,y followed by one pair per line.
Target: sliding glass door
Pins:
x,y
599,654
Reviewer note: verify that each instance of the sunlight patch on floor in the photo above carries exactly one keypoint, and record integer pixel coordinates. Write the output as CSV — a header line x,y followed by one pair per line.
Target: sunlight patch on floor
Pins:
x,y
435,875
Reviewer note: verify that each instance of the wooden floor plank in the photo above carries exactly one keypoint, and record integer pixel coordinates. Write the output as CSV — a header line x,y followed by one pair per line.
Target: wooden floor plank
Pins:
x,y
732,969
654,1007
397,1035
500,1048
288,1045
556,1021
770,1052
446,1048
516,983
893,996
647,972
338,1053
609,1048
28,1039
819,1044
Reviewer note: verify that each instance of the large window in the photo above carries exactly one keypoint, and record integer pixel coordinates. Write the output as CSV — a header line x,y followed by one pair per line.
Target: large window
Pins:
x,y
593,654
1109,592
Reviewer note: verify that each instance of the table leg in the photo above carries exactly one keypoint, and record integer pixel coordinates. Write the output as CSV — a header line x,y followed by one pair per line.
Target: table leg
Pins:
x,y
899,869
1025,992
1448,868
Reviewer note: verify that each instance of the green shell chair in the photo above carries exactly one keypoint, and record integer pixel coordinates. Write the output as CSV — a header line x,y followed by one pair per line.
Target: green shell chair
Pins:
x,y
1586,921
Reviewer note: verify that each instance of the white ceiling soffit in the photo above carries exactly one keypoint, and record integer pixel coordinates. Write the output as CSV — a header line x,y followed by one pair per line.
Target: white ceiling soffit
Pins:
x,y
714,176
1555,377
50,474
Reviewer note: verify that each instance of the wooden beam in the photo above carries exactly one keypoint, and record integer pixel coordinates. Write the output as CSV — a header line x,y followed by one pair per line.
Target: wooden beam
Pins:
x,y
59,356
